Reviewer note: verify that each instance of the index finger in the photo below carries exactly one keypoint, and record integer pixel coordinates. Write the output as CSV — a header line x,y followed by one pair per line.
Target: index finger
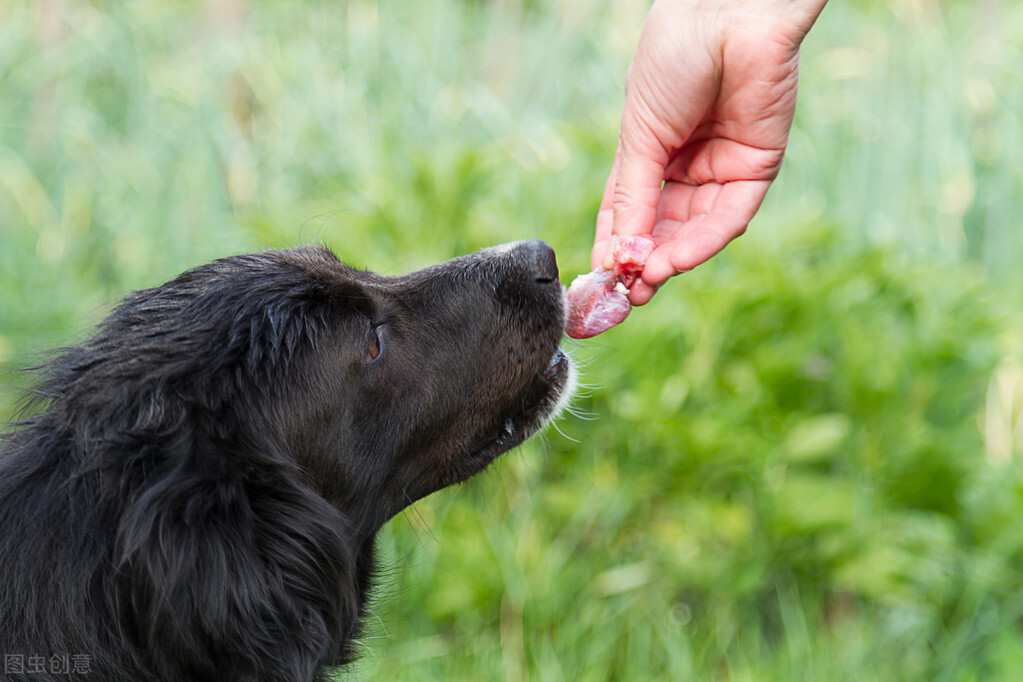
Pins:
x,y
605,217
636,194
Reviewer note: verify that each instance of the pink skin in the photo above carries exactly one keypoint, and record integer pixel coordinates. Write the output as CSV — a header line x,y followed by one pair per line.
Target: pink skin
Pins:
x,y
599,299
709,101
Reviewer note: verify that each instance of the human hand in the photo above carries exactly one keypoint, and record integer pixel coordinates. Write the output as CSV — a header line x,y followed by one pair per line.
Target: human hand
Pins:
x,y
709,102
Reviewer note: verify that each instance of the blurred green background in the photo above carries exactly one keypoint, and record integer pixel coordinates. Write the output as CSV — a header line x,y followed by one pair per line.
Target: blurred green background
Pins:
x,y
801,461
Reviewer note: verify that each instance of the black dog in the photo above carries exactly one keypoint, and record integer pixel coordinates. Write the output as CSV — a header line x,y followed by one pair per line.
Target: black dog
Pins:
x,y
197,494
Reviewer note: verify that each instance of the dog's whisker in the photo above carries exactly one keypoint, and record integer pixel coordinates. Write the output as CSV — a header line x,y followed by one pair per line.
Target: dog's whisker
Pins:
x,y
580,413
554,425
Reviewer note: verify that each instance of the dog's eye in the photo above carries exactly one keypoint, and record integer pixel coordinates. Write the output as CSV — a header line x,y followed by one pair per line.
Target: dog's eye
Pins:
x,y
373,345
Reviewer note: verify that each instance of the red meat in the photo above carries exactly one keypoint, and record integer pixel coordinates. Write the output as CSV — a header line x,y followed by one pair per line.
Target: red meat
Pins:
x,y
597,300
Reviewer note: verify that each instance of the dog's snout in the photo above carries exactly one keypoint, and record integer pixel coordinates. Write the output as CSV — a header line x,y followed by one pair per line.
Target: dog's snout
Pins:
x,y
542,260
546,263
521,263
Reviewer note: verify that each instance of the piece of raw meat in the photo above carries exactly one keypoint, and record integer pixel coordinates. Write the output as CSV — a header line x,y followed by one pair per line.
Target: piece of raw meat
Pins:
x,y
598,300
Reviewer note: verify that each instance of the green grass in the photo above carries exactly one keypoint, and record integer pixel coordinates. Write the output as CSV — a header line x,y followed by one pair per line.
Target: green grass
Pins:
x,y
800,462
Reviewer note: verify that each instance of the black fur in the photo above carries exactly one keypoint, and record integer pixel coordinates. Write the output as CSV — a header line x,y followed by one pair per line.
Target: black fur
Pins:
x,y
197,493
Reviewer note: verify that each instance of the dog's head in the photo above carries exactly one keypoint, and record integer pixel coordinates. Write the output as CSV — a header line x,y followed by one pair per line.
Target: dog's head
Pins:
x,y
381,389
424,379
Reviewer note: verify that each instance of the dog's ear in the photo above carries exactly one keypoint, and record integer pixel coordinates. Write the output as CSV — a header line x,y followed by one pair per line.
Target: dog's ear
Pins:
x,y
235,576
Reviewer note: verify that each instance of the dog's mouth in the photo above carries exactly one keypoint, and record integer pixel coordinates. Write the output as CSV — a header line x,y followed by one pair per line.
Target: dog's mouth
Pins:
x,y
544,400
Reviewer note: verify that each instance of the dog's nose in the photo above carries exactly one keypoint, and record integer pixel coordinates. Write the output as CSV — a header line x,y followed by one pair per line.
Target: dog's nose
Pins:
x,y
546,262
526,260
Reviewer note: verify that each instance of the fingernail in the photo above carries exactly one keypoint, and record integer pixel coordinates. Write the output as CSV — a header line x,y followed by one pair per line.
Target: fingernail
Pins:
x,y
609,258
